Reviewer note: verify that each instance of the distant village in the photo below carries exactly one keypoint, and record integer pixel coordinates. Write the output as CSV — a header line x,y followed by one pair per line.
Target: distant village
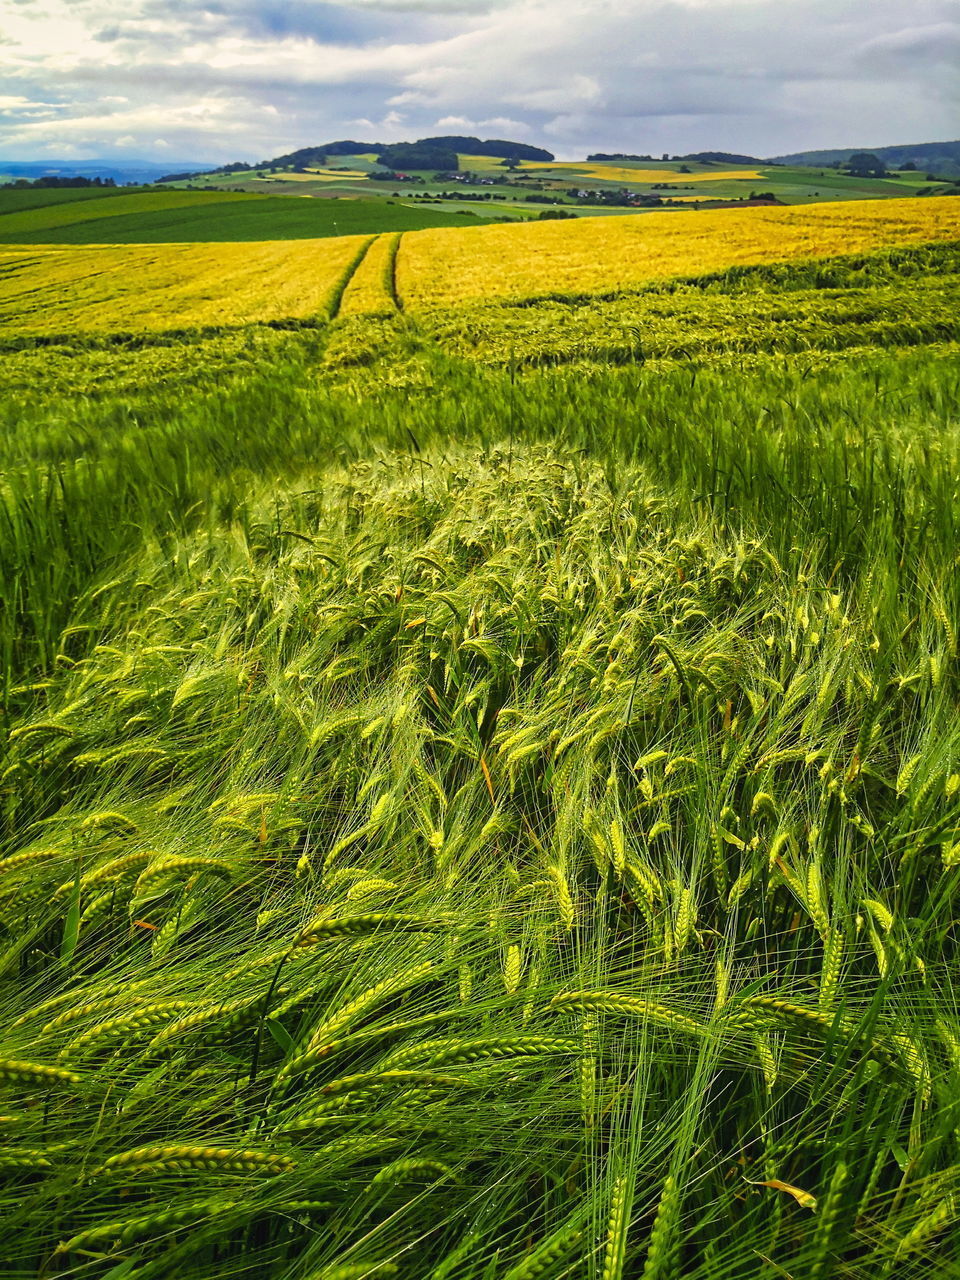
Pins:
x,y
538,191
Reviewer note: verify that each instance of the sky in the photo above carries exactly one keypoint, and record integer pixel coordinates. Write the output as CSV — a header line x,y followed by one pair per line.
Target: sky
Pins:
x,y
229,80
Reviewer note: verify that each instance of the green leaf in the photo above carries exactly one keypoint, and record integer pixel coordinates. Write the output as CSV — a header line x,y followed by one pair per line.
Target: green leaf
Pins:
x,y
71,924
281,1035
122,1269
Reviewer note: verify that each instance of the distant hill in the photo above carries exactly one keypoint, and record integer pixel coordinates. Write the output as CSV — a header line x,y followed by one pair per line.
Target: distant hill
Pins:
x,y
699,157
719,157
303,158
308,156
137,171
601,157
436,153
941,158
499,148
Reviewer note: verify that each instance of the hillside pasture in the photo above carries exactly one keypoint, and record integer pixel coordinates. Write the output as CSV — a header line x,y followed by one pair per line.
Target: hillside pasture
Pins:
x,y
68,216
22,199
173,217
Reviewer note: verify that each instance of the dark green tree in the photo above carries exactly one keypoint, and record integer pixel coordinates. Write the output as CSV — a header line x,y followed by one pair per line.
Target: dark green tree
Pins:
x,y
864,164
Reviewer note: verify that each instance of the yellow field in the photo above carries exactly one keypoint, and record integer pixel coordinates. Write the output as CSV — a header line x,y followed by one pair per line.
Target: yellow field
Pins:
x,y
583,171
112,206
316,175
613,173
369,292
598,255
122,288
129,288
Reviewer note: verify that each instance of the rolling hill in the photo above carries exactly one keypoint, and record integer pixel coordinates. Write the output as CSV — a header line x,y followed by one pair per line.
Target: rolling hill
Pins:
x,y
496,148
940,158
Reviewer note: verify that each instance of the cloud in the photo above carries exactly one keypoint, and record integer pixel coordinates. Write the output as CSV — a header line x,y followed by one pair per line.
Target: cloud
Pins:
x,y
501,125
922,46
245,79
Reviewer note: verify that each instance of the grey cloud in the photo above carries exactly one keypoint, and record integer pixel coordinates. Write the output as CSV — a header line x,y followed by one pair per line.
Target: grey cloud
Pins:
x,y
939,42
651,75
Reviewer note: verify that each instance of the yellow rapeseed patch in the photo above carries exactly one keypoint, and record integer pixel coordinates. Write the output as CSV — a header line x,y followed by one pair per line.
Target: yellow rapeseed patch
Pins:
x,y
583,171
604,255
316,175
625,174
124,288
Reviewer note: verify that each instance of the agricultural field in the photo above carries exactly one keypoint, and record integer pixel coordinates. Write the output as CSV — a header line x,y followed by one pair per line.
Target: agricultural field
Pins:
x,y
140,288
162,216
341,199
613,171
49,290
706,184
480,774
567,258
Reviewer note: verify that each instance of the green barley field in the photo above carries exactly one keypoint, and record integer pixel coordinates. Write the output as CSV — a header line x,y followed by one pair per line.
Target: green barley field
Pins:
x,y
481,788
150,216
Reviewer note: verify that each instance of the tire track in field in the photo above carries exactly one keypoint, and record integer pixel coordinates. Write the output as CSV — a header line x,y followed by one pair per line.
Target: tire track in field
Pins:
x,y
391,280
340,288
372,289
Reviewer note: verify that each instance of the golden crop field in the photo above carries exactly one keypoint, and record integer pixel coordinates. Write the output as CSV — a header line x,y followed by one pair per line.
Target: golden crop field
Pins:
x,y
118,288
111,206
598,255
316,175
624,173
370,289
580,170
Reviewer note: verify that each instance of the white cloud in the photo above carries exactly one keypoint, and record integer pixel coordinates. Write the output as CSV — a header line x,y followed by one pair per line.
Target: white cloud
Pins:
x,y
249,78
10,102
517,129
